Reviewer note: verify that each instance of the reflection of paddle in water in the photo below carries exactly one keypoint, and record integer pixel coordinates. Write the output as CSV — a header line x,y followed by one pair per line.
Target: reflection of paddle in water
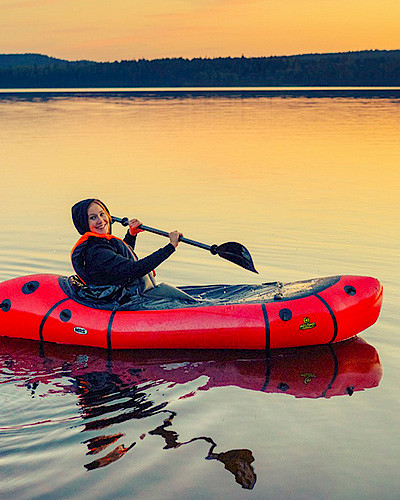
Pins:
x,y
238,462
171,437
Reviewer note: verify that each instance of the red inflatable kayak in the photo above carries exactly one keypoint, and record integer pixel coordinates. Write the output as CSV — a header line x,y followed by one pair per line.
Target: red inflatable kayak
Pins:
x,y
320,311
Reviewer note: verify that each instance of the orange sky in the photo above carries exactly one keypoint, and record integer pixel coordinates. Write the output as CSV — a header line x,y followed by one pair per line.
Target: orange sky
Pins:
x,y
108,30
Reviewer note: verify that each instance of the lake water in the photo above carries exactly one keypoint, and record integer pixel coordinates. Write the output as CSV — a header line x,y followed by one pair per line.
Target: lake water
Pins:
x,y
309,183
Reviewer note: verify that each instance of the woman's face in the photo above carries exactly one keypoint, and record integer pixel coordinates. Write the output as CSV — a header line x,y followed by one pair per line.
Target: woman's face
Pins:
x,y
98,219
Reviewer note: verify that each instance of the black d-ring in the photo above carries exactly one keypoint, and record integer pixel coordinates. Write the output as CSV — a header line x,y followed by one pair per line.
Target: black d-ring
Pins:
x,y
285,314
350,290
30,287
5,305
65,315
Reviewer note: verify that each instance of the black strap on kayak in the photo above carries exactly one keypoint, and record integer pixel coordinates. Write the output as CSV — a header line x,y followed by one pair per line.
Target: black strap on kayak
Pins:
x,y
110,322
335,325
267,348
47,315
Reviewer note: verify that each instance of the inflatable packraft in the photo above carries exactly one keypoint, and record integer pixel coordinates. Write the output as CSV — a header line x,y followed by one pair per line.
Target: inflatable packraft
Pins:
x,y
51,308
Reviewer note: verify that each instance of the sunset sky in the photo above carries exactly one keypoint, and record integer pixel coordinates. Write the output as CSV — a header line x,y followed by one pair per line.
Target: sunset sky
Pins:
x,y
108,30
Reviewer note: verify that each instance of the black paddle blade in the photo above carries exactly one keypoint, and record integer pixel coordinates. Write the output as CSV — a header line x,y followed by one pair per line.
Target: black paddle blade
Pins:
x,y
236,253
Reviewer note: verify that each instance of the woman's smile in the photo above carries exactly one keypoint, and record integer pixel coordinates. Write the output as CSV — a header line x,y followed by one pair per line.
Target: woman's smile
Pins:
x,y
101,226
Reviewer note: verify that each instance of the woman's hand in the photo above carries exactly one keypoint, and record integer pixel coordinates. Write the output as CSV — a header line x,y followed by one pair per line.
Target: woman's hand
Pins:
x,y
134,227
174,238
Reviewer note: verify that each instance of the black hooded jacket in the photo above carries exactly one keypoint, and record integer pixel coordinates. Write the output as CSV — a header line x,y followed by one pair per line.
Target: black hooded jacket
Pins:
x,y
106,259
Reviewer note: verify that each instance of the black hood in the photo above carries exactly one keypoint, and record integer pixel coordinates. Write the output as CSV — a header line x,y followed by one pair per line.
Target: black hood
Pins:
x,y
80,214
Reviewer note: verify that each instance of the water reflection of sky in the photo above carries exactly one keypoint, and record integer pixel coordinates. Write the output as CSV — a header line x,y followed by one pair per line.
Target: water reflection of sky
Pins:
x,y
309,185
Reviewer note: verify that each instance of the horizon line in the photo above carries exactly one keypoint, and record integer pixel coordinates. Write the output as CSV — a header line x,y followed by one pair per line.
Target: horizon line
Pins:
x,y
199,57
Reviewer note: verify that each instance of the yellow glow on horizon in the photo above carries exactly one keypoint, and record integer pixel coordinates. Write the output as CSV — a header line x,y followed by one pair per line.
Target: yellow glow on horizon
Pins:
x,y
129,29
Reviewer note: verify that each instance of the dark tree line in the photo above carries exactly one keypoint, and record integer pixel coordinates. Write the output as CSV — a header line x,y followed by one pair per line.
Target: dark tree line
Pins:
x,y
342,69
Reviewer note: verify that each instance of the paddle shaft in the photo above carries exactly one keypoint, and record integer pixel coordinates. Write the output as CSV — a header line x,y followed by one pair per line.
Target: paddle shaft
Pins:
x,y
182,238
232,251
160,232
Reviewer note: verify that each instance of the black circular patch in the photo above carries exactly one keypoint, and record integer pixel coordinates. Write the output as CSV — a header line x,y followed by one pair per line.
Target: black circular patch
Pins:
x,y
30,287
65,315
285,314
350,290
5,305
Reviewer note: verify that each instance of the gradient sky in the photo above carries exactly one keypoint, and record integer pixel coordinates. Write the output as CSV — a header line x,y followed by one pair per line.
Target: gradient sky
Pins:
x,y
108,30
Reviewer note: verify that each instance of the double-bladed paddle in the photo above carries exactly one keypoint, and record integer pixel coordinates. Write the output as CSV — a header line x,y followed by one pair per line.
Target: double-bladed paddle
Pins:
x,y
232,251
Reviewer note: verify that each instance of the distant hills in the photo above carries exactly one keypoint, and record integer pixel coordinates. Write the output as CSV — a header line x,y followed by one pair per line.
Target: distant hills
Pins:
x,y
15,60
372,67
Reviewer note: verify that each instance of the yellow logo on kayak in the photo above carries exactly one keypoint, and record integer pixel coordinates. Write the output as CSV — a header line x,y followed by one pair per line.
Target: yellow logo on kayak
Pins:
x,y
307,377
306,325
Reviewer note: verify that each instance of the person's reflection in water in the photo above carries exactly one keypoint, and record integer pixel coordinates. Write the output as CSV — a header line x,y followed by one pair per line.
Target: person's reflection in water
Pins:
x,y
97,444
111,457
238,462
106,401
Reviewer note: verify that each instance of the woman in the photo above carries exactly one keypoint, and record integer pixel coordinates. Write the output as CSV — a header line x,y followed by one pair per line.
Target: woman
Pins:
x,y
99,258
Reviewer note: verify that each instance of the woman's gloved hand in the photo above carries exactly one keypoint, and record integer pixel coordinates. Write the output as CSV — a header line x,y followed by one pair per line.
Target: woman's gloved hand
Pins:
x,y
134,228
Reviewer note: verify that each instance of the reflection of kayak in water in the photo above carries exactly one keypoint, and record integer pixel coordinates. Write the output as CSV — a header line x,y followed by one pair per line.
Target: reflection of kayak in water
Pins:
x,y
272,315
312,372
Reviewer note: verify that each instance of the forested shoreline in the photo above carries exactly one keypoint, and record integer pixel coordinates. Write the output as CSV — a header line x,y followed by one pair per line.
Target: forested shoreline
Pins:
x,y
362,68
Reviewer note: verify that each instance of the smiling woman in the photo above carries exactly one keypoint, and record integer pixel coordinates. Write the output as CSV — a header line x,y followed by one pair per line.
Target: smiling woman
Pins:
x,y
99,258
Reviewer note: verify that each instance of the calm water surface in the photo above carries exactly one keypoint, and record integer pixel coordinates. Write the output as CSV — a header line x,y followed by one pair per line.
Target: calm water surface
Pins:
x,y
310,185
